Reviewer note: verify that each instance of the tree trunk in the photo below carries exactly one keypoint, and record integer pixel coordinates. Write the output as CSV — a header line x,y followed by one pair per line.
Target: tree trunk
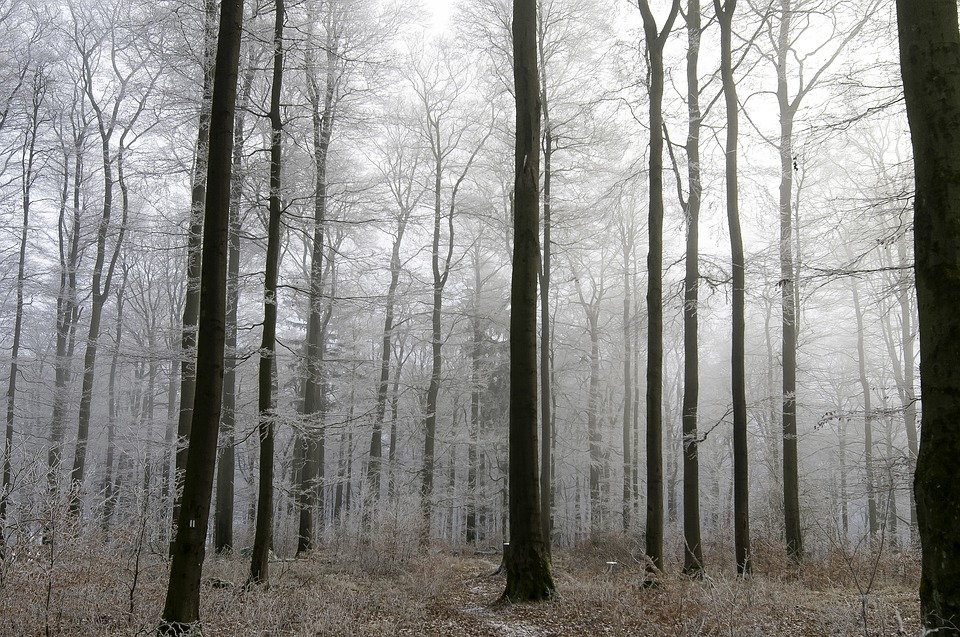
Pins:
x,y
263,538
226,463
109,494
791,470
181,610
191,304
100,293
627,423
28,156
546,371
655,41
741,476
693,549
68,311
873,525
528,566
322,104
930,64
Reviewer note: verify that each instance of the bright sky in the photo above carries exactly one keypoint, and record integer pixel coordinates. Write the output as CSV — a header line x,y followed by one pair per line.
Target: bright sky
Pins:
x,y
441,10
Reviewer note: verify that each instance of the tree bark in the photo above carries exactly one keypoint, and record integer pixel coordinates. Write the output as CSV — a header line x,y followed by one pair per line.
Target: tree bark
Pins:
x,y
693,549
263,538
528,566
322,107
873,525
655,41
741,479
226,462
930,65
191,304
28,176
181,610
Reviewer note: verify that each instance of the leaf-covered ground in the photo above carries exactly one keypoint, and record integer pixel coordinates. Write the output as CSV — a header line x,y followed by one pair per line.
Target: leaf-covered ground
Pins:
x,y
89,591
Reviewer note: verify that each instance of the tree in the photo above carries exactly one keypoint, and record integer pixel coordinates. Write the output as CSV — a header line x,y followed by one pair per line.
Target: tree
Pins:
x,y
260,561
741,479
693,549
784,38
440,89
872,523
930,65
655,41
226,462
28,161
131,75
181,610
191,304
528,567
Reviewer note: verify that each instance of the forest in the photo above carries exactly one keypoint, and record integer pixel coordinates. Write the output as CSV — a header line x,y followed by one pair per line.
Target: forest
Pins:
x,y
281,322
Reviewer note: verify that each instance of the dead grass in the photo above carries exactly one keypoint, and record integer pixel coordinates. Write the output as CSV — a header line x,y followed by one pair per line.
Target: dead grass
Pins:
x,y
84,588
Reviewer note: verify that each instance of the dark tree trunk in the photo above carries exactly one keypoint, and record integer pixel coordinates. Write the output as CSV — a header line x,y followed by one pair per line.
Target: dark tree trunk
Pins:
x,y
528,566
181,610
741,476
191,304
930,64
791,469
263,538
693,550
655,42
226,462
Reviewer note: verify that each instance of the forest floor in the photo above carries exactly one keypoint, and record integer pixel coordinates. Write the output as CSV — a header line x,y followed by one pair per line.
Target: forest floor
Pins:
x,y
87,590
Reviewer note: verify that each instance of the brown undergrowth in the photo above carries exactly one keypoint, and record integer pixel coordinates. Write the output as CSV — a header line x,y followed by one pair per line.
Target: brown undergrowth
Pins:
x,y
83,588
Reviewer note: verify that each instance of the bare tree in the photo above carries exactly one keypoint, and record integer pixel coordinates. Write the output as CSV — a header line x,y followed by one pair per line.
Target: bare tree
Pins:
x,y
181,612
528,567
930,65
655,39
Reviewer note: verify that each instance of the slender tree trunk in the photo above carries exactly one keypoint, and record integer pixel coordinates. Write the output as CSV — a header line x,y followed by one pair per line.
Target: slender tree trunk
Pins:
x,y
655,42
100,293
873,525
263,538
322,103
374,469
628,318
546,342
226,462
528,565
791,469
68,311
28,158
181,612
191,304
930,65
693,550
433,391
741,476
109,495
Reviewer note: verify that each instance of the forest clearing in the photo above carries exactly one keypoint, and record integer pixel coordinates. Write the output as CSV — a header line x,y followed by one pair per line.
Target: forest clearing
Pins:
x,y
441,592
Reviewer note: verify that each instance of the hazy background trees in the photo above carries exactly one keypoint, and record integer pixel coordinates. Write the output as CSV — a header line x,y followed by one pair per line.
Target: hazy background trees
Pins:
x,y
389,379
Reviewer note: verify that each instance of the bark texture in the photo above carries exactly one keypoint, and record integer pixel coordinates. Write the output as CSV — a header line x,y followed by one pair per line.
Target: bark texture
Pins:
x,y
181,610
930,64
528,567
